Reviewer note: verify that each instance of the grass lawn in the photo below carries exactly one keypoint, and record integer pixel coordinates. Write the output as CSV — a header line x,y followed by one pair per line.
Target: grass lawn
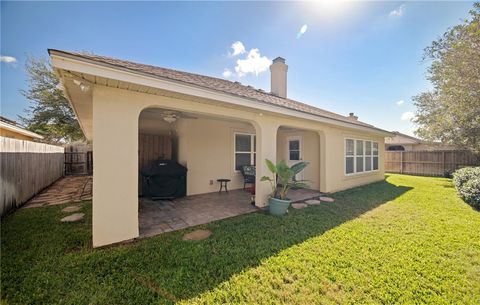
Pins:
x,y
406,240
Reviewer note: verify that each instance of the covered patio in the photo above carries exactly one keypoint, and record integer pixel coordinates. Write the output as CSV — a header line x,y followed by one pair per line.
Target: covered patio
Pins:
x,y
160,216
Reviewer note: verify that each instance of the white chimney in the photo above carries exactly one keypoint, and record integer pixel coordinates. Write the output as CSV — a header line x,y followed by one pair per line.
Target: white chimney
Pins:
x,y
278,71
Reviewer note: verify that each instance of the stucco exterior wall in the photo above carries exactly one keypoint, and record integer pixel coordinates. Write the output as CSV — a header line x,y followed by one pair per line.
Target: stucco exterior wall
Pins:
x,y
207,150
335,167
310,153
202,148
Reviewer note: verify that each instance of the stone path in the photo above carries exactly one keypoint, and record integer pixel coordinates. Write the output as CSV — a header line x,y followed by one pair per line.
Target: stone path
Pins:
x,y
72,208
327,199
73,217
299,205
68,189
197,235
312,202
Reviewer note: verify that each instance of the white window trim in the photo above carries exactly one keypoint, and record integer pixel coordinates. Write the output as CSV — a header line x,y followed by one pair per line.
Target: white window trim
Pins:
x,y
300,148
354,156
252,151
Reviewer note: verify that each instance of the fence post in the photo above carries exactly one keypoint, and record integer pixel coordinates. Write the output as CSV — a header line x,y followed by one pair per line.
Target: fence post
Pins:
x,y
443,161
401,162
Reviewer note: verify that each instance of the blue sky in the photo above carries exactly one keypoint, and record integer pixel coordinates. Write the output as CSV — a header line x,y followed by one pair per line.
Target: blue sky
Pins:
x,y
361,57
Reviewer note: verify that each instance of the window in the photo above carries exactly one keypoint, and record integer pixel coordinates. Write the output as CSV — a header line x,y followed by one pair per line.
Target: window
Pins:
x,y
360,156
368,156
375,156
349,156
245,148
396,148
294,150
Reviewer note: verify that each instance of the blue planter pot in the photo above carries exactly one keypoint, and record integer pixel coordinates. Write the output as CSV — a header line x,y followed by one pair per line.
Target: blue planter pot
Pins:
x,y
278,207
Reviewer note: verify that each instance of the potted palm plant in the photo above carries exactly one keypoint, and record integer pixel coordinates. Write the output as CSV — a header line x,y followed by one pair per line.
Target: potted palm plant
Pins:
x,y
282,180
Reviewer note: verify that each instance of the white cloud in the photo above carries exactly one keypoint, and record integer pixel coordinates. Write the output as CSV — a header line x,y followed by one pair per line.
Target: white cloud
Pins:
x,y
398,12
238,48
400,102
8,59
302,31
407,116
254,63
227,73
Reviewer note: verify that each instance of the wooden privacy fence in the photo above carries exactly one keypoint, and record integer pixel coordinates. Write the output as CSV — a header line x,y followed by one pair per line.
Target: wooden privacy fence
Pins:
x,y
78,159
428,163
151,148
26,168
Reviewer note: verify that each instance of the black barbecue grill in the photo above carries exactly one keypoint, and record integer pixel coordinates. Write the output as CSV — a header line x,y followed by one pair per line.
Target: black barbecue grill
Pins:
x,y
164,179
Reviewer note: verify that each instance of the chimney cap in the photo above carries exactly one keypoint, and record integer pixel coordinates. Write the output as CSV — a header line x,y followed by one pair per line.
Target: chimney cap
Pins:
x,y
279,59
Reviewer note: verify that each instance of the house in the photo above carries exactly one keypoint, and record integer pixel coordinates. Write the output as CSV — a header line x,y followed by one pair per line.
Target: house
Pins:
x,y
215,126
11,129
402,142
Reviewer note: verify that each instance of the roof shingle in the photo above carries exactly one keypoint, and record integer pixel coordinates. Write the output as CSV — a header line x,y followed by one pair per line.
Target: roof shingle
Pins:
x,y
214,83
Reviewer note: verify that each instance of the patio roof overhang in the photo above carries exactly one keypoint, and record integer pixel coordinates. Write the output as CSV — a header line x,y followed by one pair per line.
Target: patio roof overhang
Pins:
x,y
78,76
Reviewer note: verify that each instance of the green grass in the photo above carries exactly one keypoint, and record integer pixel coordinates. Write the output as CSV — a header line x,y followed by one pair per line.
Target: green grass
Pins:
x,y
406,240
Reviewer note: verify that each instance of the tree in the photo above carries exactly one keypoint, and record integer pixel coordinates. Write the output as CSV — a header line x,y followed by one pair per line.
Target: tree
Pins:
x,y
451,111
50,114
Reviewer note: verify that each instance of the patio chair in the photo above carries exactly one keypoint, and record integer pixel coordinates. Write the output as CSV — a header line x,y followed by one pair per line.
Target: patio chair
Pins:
x,y
248,173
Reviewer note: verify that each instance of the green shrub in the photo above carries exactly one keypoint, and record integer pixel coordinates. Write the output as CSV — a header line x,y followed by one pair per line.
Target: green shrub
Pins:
x,y
467,183
470,192
464,174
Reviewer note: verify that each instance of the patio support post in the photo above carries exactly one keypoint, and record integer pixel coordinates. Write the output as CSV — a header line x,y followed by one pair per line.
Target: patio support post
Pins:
x,y
323,161
115,162
266,131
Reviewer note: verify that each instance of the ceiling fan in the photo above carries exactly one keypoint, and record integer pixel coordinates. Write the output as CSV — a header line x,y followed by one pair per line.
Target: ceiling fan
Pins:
x,y
169,116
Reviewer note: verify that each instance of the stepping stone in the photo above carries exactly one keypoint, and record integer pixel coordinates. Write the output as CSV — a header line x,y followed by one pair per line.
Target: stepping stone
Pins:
x,y
300,205
72,208
34,205
197,235
327,199
73,217
312,202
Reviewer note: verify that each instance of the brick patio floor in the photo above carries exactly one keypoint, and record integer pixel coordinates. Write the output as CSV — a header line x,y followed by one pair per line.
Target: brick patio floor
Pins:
x,y
68,189
156,217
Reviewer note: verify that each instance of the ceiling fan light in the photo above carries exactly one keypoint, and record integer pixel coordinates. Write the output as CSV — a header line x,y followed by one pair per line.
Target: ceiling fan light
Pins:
x,y
170,119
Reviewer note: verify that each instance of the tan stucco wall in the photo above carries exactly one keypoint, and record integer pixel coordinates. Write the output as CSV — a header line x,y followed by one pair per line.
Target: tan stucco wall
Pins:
x,y
335,154
115,135
207,150
155,126
310,153
15,135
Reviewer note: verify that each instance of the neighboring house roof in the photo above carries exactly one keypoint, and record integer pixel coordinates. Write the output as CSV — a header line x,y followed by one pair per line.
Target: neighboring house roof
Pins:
x,y
10,125
401,138
213,83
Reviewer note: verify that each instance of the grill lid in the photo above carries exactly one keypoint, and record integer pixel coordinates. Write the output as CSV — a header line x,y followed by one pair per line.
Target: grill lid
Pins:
x,y
164,168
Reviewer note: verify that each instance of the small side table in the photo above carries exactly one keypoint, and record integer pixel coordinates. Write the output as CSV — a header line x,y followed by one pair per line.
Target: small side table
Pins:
x,y
223,184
